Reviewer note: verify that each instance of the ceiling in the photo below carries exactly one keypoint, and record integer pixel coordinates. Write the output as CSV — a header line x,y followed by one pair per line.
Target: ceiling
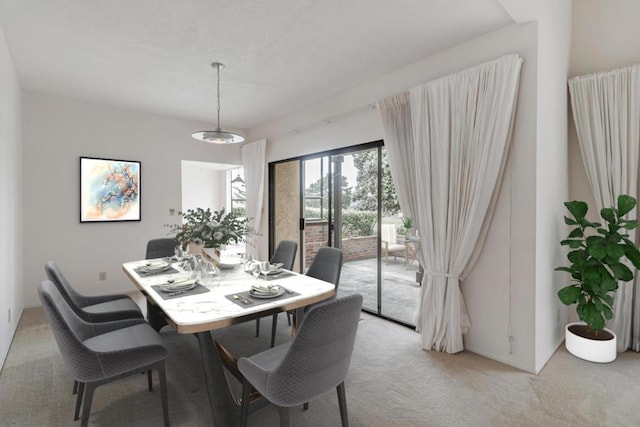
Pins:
x,y
280,55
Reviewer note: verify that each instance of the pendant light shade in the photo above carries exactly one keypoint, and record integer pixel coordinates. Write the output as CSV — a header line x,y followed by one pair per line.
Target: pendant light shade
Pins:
x,y
217,136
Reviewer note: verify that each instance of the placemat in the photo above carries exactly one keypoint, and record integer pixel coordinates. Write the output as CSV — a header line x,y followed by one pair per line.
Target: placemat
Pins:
x,y
144,273
256,301
199,289
276,276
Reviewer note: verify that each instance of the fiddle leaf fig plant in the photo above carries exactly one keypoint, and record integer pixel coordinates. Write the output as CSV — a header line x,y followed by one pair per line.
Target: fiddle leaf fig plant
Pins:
x,y
598,259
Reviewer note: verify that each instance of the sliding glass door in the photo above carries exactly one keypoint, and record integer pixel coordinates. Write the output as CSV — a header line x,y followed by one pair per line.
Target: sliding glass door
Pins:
x,y
347,200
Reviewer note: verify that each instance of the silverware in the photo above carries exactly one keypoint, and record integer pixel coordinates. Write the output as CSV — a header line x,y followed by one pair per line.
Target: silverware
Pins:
x,y
242,299
178,292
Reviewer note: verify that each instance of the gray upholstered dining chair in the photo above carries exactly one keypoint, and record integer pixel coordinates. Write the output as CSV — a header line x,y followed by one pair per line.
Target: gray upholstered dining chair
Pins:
x,y
285,253
159,248
98,353
327,266
99,308
316,361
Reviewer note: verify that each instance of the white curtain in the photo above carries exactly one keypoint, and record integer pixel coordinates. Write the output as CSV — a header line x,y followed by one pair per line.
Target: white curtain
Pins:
x,y
452,165
253,162
606,111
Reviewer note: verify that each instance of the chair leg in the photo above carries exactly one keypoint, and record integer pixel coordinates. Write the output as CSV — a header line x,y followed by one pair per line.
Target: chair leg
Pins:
x,y
305,406
88,398
274,325
284,416
163,393
80,392
75,387
149,380
244,409
257,327
289,318
342,402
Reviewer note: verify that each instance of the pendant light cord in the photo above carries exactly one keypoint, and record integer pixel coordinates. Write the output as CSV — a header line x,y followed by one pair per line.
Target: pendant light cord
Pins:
x,y
218,67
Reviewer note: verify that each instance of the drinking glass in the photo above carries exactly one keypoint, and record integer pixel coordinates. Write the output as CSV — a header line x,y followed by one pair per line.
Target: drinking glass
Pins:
x,y
255,270
265,268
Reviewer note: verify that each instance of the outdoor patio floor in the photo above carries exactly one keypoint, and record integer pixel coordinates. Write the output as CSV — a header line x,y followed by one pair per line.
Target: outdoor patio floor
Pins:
x,y
400,290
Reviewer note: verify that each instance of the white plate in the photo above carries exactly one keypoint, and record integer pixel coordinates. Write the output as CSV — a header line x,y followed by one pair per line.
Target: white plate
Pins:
x,y
229,265
269,295
277,271
155,268
179,287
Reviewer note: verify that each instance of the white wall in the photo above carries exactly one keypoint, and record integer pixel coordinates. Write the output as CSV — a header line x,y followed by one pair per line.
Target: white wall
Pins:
x,y
552,188
11,300
203,186
509,251
57,131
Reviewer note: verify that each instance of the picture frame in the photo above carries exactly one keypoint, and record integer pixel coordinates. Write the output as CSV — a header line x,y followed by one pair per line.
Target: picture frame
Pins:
x,y
110,190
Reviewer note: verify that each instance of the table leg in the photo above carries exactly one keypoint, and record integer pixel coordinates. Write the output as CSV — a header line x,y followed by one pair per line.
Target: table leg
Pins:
x,y
223,408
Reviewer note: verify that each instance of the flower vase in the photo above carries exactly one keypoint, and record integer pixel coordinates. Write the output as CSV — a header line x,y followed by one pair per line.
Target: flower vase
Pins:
x,y
212,255
195,249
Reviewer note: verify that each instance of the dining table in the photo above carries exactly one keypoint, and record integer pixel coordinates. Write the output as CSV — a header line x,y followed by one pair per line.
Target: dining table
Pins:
x,y
218,300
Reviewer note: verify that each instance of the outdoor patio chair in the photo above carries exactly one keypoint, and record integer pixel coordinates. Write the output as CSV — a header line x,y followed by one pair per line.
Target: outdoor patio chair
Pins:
x,y
389,242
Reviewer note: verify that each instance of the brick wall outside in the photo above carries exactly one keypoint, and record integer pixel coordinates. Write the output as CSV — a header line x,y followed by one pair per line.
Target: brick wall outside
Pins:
x,y
315,236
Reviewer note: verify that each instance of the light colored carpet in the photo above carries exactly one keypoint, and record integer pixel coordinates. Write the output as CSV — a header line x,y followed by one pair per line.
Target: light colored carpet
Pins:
x,y
392,382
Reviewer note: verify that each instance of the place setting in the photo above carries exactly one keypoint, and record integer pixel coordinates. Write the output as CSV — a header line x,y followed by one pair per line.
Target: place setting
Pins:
x,y
175,288
260,293
155,268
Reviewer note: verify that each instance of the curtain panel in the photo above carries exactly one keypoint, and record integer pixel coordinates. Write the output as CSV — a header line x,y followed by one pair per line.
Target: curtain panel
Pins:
x,y
253,162
448,168
606,111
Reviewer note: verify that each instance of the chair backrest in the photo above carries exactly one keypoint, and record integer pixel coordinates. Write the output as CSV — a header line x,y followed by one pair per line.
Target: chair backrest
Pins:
x,y
320,354
69,331
388,233
285,253
158,248
73,298
326,265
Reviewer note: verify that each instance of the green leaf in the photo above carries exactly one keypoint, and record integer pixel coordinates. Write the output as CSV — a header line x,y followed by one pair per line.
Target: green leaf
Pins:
x,y
592,316
608,214
577,257
633,254
572,243
567,269
615,251
576,232
621,272
596,247
570,221
625,204
569,294
608,283
630,225
577,208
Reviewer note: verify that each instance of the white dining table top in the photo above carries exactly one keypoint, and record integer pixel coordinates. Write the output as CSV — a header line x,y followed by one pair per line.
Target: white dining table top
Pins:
x,y
212,310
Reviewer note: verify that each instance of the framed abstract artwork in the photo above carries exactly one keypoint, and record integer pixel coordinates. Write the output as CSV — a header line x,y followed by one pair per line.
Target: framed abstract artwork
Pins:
x,y
109,190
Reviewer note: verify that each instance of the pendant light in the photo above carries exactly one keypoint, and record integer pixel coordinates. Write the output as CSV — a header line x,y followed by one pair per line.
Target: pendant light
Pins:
x,y
237,180
217,136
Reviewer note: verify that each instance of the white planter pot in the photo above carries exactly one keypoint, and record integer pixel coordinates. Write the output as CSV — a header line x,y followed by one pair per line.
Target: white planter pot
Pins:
x,y
599,351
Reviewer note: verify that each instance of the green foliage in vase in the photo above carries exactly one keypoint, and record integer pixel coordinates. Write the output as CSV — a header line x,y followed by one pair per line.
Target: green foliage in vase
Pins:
x,y
213,229
598,259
